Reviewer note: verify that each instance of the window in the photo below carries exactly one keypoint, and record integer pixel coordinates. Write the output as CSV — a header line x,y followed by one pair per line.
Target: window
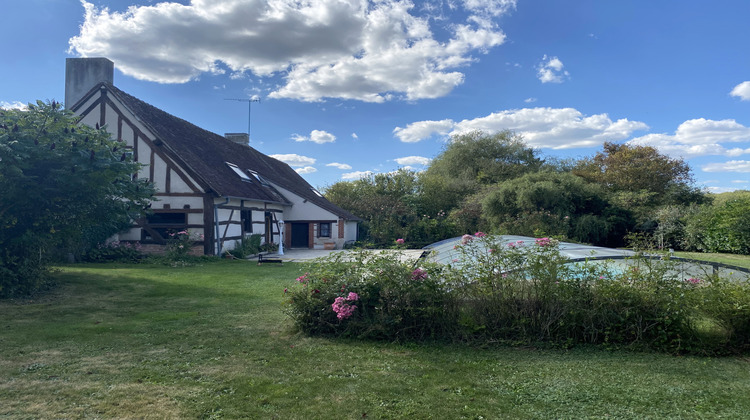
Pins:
x,y
258,177
247,221
163,224
174,219
324,230
239,172
317,193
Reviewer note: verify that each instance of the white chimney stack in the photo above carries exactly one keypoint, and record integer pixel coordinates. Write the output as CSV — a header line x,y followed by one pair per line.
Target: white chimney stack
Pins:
x,y
82,74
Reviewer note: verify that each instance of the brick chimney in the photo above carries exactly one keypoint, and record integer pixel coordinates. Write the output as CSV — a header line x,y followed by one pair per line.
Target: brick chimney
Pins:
x,y
82,74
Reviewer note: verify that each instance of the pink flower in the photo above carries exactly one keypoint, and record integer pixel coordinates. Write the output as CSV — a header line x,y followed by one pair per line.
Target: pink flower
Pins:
x,y
342,308
480,234
693,280
418,274
303,278
543,242
400,241
455,260
466,239
492,250
352,296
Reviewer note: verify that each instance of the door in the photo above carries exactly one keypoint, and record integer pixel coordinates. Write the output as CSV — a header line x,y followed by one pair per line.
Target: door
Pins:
x,y
300,235
269,227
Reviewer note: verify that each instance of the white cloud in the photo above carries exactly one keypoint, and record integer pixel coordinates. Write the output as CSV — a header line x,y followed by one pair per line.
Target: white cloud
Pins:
x,y
700,137
729,166
421,130
342,166
306,170
550,70
316,136
12,105
371,51
742,91
355,136
294,160
719,190
320,137
529,100
557,128
412,160
356,175
740,181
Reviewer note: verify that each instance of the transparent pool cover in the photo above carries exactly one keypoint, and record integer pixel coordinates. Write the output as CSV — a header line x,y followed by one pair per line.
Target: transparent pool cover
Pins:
x,y
616,259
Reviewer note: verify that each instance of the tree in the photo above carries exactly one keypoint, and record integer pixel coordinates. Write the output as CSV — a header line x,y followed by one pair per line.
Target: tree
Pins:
x,y
389,203
637,169
721,227
641,180
63,185
471,161
554,203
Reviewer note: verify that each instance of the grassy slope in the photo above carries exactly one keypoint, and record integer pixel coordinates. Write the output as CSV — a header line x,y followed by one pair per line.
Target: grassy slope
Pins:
x,y
731,259
211,341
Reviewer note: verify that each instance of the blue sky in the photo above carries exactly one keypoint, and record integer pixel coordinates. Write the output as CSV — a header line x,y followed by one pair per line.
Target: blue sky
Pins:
x,y
348,88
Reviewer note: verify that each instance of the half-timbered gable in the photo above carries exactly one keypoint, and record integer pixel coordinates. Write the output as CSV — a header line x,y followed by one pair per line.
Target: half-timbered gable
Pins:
x,y
218,190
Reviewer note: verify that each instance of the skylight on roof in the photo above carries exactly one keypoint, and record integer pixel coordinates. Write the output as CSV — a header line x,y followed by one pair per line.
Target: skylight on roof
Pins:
x,y
258,177
317,192
239,172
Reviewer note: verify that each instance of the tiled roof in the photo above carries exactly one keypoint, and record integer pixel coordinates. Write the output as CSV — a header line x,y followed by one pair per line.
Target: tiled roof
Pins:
x,y
204,154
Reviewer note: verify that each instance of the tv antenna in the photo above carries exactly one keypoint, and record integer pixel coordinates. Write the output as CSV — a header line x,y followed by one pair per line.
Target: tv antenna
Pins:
x,y
249,108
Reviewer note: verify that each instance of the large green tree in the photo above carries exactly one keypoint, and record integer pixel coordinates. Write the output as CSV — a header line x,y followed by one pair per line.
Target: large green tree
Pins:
x,y
471,161
63,185
639,176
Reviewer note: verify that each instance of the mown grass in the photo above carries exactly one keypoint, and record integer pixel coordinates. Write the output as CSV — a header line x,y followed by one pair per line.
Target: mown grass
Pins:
x,y
211,341
731,259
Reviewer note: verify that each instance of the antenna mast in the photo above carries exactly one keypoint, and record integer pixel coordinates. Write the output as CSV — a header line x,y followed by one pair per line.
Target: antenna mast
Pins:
x,y
249,108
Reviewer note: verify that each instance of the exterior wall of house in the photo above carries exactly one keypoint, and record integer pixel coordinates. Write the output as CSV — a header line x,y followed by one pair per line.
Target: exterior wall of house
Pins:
x,y
304,211
181,204
179,200
232,228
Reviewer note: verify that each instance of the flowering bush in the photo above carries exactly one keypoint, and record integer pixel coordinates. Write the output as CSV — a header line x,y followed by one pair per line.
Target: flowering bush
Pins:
x,y
372,295
179,244
518,292
115,251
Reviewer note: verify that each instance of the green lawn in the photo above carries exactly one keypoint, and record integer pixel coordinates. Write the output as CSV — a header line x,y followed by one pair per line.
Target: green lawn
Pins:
x,y
211,341
731,259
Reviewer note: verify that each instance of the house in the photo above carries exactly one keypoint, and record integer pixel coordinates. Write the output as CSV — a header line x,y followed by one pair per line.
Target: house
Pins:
x,y
218,189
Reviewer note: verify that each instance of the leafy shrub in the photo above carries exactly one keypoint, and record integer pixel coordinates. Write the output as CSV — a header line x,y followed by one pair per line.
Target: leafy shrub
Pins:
x,y
115,251
521,293
727,303
394,300
723,227
21,276
248,246
179,244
